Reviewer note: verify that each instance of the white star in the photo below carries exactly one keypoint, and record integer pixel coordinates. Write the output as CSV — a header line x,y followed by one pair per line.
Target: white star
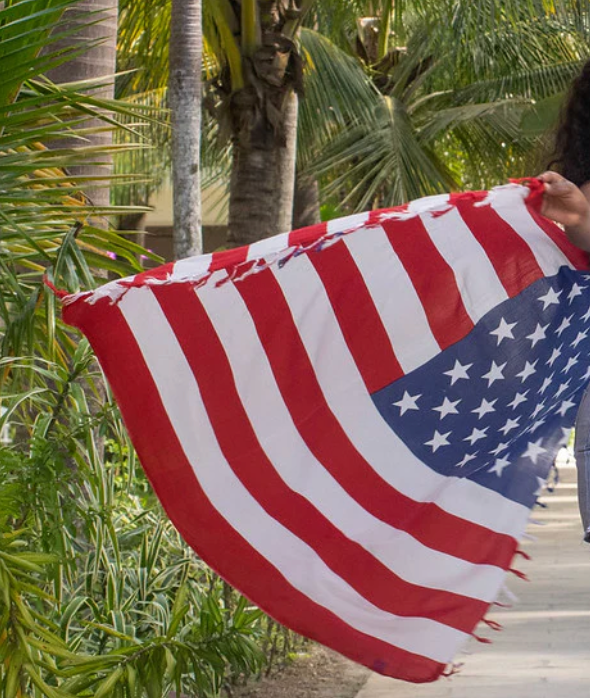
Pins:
x,y
499,466
586,375
581,336
576,291
495,373
476,435
504,330
586,315
510,425
550,298
499,448
447,407
485,407
527,371
555,355
546,383
565,323
565,406
466,458
571,362
538,409
538,334
562,387
534,450
408,402
438,440
518,398
537,424
458,371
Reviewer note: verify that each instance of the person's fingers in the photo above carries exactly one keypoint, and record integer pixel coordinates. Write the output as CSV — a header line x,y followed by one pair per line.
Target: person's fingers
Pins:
x,y
550,177
559,187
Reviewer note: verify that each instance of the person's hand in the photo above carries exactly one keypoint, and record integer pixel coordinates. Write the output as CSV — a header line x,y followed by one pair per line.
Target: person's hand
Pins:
x,y
567,204
563,202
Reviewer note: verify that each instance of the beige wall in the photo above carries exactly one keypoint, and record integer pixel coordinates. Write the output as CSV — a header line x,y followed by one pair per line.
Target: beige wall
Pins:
x,y
214,205
158,222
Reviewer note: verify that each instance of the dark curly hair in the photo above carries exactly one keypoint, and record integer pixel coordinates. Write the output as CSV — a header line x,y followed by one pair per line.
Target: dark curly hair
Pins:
x,y
572,140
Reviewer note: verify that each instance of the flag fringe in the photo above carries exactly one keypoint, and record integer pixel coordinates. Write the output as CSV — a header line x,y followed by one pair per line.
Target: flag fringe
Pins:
x,y
237,271
452,669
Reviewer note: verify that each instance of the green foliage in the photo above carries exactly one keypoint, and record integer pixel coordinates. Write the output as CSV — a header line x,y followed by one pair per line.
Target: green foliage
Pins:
x,y
458,89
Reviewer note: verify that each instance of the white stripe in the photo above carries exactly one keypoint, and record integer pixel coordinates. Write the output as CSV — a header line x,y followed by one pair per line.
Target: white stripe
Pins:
x,y
191,267
436,202
402,313
479,285
300,470
365,427
295,560
509,205
340,225
262,248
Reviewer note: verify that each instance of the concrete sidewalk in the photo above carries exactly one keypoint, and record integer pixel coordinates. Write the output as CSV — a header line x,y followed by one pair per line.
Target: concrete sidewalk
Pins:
x,y
544,648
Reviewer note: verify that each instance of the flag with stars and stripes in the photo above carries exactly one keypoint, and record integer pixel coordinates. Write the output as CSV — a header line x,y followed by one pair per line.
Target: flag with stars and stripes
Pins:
x,y
350,422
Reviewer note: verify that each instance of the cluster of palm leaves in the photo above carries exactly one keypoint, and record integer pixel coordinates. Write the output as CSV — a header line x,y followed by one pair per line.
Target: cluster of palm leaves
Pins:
x,y
458,89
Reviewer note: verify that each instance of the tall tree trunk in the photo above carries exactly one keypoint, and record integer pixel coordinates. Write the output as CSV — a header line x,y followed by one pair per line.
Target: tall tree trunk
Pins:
x,y
306,208
96,23
287,162
184,94
262,183
253,189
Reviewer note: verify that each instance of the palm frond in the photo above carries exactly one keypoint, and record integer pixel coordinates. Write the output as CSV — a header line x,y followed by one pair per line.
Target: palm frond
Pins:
x,y
383,163
338,92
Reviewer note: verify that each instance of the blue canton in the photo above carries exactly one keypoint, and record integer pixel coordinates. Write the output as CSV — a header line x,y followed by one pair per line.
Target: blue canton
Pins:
x,y
496,406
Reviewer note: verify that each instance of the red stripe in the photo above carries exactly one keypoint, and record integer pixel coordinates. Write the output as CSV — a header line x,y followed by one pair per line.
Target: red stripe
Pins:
x,y
228,258
512,259
359,320
437,289
304,236
200,524
326,439
160,273
578,258
242,450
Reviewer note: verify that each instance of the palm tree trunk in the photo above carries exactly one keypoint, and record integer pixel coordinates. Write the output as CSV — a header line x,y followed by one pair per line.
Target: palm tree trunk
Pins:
x,y
306,208
253,194
95,22
287,161
96,25
184,94
262,184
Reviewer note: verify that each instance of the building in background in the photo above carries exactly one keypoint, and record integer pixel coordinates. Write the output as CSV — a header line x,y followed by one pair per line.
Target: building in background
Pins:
x,y
158,222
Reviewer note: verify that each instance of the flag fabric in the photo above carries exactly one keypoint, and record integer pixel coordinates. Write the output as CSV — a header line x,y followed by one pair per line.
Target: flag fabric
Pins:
x,y
351,422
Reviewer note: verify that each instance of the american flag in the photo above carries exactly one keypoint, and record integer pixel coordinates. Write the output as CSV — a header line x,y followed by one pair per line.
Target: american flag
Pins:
x,y
350,422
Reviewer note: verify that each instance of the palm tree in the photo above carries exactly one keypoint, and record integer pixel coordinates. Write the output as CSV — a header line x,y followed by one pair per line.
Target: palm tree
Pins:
x,y
456,81
90,27
259,76
184,96
401,99
253,72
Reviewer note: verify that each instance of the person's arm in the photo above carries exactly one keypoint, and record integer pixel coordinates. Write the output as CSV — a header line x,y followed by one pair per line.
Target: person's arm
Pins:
x,y
569,205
